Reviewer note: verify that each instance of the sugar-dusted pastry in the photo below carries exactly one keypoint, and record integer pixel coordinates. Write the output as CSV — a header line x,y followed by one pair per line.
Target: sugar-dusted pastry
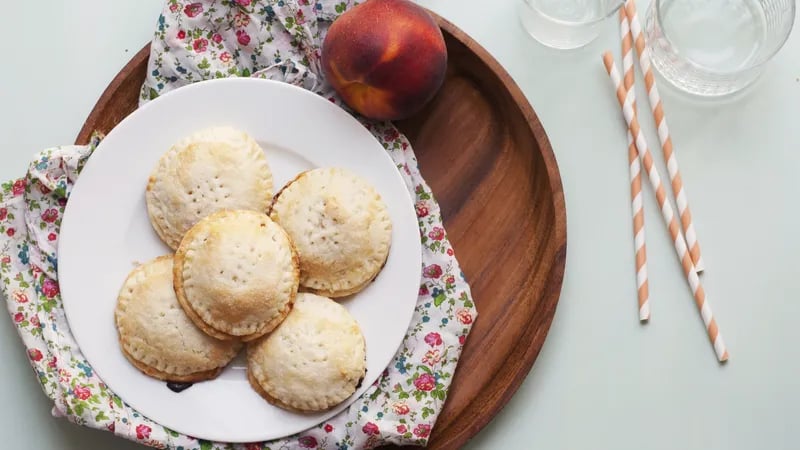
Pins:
x,y
236,274
155,334
340,227
213,169
313,361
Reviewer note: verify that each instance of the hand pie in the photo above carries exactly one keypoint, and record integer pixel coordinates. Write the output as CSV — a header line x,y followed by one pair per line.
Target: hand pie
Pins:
x,y
155,334
213,169
313,361
340,227
236,274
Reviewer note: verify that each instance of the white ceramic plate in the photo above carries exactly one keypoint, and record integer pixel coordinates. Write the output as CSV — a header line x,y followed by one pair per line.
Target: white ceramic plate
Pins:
x,y
106,231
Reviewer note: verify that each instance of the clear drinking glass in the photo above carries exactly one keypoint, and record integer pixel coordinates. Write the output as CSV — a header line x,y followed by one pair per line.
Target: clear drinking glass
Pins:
x,y
716,47
566,24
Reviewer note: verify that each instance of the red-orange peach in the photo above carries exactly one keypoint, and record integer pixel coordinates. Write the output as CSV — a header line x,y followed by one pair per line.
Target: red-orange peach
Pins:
x,y
385,58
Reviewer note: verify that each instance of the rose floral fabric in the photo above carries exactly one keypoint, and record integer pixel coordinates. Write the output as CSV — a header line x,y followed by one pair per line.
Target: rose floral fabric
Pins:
x,y
195,41
210,39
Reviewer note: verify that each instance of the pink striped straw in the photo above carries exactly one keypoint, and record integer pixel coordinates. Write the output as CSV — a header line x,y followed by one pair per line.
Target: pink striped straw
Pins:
x,y
626,99
670,159
637,205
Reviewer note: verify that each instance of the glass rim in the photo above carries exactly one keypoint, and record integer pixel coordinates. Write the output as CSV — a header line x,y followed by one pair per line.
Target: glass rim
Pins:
x,y
755,63
615,6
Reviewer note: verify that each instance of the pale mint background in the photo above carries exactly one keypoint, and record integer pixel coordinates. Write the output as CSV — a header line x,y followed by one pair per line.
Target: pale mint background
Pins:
x,y
602,380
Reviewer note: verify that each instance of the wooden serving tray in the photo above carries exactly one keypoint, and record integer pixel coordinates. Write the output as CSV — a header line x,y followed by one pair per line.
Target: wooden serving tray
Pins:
x,y
484,153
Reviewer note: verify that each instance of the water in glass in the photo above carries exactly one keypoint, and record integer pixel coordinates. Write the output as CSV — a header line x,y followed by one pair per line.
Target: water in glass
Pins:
x,y
716,47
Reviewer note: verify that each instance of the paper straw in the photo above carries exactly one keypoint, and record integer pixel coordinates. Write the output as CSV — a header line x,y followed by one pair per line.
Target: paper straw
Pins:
x,y
637,206
678,191
626,99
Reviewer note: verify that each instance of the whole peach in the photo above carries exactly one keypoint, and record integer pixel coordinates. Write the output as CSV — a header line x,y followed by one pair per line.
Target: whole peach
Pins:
x,y
385,58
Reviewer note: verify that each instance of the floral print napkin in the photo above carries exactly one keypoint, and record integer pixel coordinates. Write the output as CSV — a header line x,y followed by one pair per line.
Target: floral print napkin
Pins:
x,y
210,39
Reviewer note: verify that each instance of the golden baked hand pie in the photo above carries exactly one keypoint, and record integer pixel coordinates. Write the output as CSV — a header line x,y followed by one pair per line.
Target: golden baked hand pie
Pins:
x,y
213,169
340,227
155,334
236,274
314,360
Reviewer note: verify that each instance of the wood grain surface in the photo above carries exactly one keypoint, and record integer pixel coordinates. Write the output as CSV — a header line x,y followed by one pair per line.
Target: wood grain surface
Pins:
x,y
488,160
